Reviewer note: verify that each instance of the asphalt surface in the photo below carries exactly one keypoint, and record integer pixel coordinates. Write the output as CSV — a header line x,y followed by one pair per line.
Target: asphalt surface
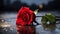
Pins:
x,y
11,17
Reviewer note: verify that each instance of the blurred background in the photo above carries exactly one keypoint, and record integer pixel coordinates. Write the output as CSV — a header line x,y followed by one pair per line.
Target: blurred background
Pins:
x,y
15,5
9,10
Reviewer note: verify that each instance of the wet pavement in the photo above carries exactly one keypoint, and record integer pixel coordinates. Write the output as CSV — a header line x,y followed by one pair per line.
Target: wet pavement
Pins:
x,y
10,18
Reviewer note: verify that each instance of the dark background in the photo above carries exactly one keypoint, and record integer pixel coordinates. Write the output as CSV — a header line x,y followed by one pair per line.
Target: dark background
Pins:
x,y
8,5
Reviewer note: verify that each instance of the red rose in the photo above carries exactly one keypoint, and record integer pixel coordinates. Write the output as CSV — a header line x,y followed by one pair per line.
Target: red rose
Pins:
x,y
25,16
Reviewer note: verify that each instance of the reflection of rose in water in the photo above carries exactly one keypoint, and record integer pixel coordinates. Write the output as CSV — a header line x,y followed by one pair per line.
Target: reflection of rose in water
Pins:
x,y
25,29
50,27
25,17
